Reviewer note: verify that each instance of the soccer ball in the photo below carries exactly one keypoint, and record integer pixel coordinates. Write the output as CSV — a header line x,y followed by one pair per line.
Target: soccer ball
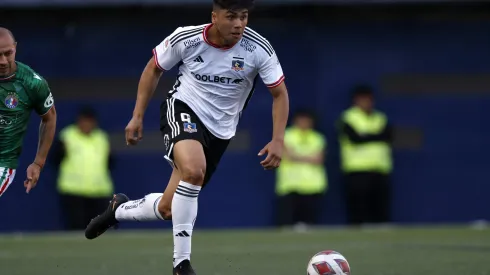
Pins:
x,y
328,262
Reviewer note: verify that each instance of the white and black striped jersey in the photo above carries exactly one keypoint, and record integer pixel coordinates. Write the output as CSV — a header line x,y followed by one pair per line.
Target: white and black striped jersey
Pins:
x,y
217,83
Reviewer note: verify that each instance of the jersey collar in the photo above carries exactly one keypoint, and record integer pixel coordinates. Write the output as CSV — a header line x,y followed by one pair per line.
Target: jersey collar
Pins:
x,y
12,75
205,37
7,77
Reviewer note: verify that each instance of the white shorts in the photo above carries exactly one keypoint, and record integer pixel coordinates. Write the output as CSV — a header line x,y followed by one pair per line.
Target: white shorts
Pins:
x,y
7,176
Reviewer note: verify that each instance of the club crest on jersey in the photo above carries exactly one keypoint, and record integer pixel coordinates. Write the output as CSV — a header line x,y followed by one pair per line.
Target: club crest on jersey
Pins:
x,y
11,101
190,127
237,64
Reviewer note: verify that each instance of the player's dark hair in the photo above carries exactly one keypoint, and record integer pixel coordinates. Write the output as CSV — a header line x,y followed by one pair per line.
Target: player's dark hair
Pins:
x,y
234,4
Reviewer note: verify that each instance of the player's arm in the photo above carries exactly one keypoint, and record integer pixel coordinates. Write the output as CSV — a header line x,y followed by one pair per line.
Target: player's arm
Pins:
x,y
280,111
45,109
271,73
47,129
146,88
165,56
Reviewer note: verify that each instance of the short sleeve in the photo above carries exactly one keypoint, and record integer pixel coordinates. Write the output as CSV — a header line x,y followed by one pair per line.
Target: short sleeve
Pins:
x,y
44,99
270,69
167,55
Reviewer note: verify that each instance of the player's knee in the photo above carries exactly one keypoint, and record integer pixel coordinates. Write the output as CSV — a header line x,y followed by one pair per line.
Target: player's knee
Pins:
x,y
193,174
165,209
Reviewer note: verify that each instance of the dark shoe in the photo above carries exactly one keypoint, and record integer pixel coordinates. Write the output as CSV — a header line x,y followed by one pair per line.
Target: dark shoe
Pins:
x,y
184,268
107,219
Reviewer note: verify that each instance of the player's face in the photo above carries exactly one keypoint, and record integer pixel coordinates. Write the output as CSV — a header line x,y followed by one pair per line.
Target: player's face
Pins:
x,y
7,55
231,24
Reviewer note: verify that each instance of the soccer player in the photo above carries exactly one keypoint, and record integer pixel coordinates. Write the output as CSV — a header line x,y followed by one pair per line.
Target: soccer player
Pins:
x,y
218,68
21,91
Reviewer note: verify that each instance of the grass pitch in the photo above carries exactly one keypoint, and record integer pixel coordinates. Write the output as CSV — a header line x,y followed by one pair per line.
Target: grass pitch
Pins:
x,y
398,251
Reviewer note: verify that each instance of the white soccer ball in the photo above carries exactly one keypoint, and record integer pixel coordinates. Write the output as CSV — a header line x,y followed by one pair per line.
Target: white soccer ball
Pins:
x,y
328,262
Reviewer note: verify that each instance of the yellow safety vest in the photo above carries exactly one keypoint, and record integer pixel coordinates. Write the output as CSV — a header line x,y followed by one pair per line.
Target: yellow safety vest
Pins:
x,y
302,178
365,157
84,170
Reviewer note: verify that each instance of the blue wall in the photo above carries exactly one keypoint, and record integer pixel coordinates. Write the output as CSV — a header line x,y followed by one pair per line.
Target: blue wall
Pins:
x,y
444,181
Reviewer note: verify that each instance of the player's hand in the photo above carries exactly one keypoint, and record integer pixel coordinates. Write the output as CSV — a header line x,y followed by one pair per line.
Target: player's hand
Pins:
x,y
274,154
33,172
134,131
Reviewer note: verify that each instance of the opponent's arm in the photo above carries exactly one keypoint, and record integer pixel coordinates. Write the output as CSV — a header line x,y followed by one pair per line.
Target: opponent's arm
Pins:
x,y
47,129
280,111
270,71
146,87
165,56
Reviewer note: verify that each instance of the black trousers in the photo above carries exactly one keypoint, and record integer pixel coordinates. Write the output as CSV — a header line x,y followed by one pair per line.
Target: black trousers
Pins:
x,y
368,197
77,211
294,208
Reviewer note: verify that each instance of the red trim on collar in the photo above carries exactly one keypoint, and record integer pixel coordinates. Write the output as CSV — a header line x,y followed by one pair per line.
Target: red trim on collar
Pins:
x,y
205,37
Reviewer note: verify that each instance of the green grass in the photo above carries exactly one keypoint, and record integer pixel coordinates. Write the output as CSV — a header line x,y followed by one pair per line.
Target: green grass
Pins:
x,y
402,251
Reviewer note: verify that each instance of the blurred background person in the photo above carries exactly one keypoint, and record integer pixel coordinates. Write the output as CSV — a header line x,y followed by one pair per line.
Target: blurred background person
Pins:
x,y
365,146
301,178
83,157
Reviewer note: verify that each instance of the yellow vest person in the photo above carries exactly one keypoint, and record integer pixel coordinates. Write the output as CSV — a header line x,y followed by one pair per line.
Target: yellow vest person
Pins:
x,y
301,168
366,160
82,155
301,178
363,147
84,170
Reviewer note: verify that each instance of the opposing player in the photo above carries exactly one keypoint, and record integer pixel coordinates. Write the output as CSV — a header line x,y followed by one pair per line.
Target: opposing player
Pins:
x,y
21,91
218,67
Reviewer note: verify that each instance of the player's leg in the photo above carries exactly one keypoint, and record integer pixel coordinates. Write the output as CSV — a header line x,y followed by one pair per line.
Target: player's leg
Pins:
x,y
190,160
157,206
7,176
153,207
165,204
196,163
145,209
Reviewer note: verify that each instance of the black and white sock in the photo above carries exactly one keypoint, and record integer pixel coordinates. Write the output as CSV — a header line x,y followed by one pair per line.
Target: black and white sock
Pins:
x,y
145,209
184,213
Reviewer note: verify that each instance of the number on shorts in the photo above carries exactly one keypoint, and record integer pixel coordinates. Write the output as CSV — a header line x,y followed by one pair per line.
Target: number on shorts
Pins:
x,y
185,117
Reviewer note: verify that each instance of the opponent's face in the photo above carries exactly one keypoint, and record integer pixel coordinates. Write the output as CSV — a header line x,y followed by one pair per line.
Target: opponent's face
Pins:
x,y
7,55
230,24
